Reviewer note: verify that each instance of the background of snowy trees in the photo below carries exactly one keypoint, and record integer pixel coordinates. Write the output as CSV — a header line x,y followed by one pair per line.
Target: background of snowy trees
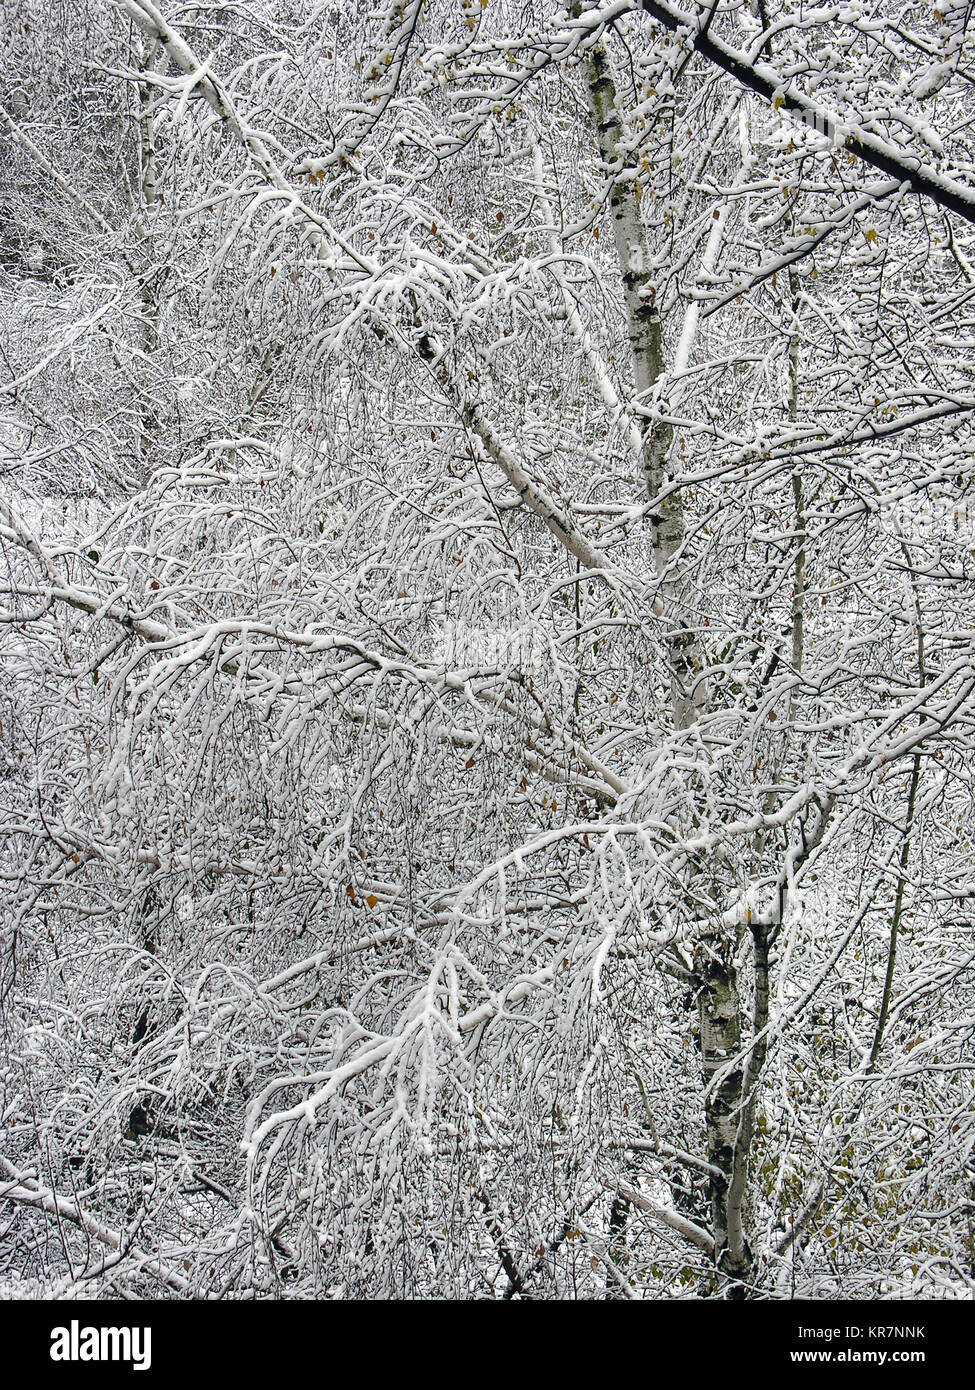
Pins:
x,y
487,677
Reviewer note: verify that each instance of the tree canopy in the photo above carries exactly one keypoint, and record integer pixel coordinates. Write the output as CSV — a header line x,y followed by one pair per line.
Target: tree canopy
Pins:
x,y
486,649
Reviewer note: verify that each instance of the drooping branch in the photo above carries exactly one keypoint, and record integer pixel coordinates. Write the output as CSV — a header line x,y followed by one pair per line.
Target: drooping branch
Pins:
x,y
535,496
690,1230
324,238
27,1191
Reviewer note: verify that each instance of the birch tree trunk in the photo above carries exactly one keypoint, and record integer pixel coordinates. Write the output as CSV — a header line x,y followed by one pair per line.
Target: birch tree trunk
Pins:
x,y
715,983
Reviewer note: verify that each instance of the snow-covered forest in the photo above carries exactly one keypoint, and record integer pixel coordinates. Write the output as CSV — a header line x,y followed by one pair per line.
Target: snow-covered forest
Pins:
x,y
487,649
